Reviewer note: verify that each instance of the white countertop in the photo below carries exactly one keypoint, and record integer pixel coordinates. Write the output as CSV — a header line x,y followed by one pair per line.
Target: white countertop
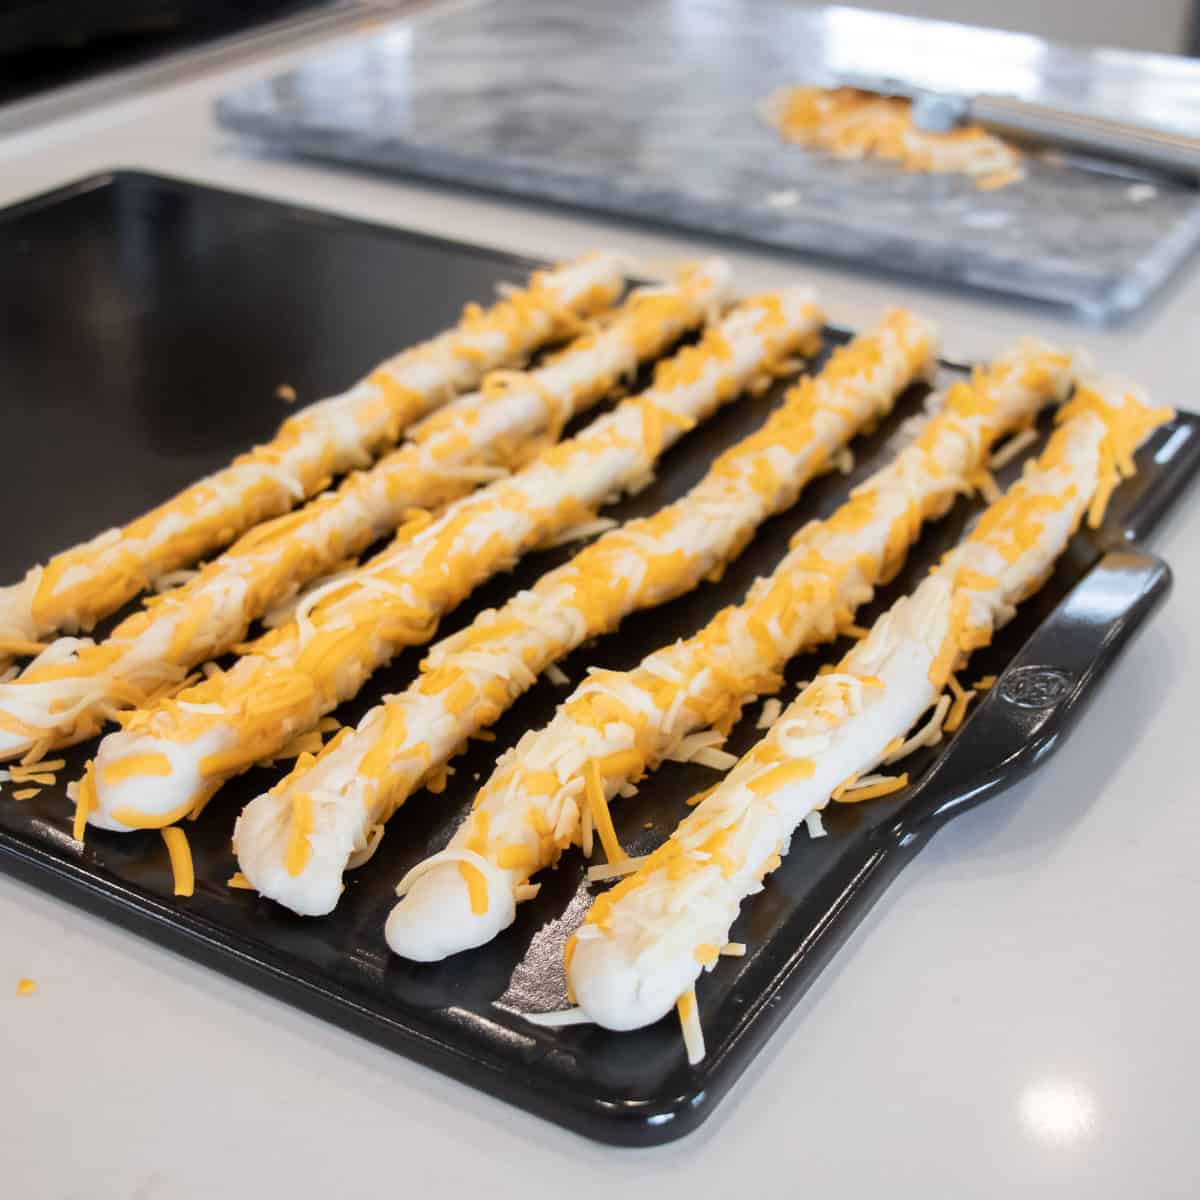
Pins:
x,y
1017,1016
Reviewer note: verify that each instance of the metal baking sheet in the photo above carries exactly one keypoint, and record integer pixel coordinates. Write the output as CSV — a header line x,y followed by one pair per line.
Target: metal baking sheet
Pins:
x,y
146,326
647,109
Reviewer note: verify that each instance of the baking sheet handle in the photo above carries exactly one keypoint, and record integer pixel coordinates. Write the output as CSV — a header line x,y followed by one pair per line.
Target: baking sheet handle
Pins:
x,y
1033,704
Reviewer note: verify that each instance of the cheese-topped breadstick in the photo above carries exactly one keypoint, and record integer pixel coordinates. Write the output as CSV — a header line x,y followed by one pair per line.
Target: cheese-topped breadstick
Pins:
x,y
644,943
295,843
67,693
80,585
170,758
617,725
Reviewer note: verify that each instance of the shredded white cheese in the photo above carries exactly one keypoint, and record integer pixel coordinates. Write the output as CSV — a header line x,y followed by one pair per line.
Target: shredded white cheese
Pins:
x,y
771,709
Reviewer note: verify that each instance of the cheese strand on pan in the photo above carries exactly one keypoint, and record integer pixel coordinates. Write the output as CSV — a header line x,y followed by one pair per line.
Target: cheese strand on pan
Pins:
x,y
80,585
171,758
295,843
618,725
67,693
645,942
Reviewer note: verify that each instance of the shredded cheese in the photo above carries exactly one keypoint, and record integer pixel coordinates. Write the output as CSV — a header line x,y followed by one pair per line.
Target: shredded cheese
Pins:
x,y
603,872
266,570
79,586
771,709
180,854
476,886
849,123
1015,445
688,892
601,817
555,1020
470,678
689,1022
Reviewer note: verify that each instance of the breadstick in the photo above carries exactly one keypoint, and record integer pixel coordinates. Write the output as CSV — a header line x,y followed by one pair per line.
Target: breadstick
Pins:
x,y
80,585
75,685
472,677
171,758
618,725
645,942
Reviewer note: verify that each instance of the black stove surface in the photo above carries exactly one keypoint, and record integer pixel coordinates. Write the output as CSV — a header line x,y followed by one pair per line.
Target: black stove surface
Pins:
x,y
47,44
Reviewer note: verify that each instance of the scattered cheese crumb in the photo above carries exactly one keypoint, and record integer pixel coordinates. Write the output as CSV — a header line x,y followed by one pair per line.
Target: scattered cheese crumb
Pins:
x,y
26,987
985,485
26,793
28,770
180,854
958,710
928,735
689,1021
565,1016
871,787
576,533
605,871
174,579
718,760
286,393
1012,448
557,676
770,713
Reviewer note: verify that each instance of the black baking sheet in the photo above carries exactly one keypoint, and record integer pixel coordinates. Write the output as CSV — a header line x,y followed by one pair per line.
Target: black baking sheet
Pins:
x,y
146,325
